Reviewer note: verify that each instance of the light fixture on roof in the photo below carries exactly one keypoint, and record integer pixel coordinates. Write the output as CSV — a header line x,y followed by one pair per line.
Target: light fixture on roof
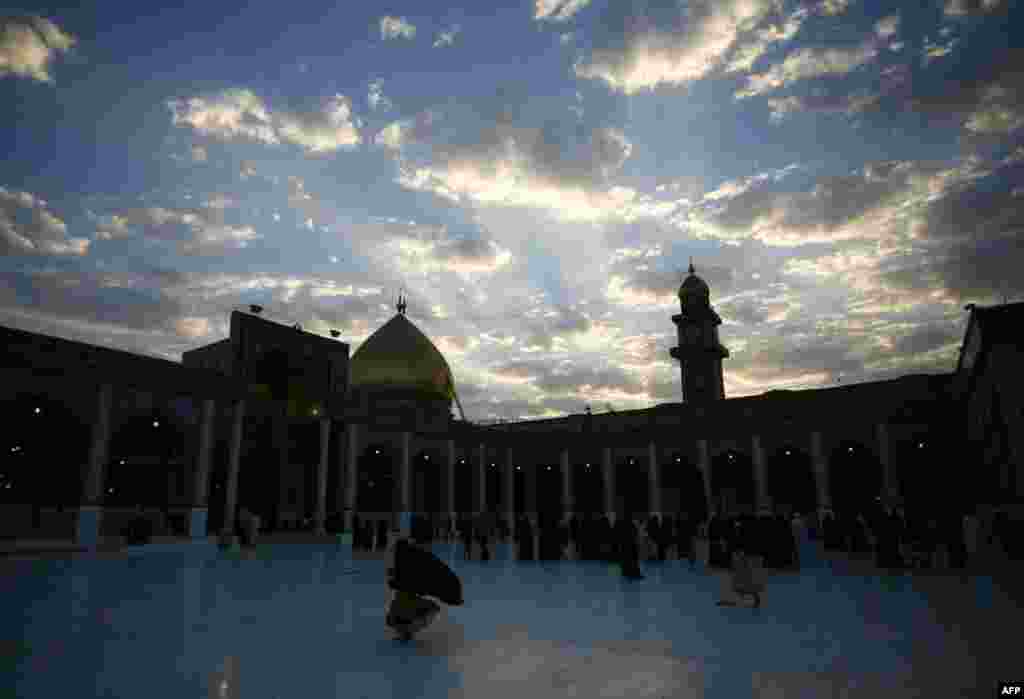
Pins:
x,y
335,333
38,411
255,309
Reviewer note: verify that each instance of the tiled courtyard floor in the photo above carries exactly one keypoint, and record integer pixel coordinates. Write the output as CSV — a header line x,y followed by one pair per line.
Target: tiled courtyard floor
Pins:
x,y
306,621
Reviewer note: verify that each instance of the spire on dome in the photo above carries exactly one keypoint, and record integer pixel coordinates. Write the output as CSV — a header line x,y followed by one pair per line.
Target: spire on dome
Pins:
x,y
401,306
692,270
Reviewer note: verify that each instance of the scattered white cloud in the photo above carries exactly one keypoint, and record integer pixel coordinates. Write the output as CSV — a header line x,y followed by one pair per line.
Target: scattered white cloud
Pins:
x,y
375,96
557,10
833,7
887,26
199,154
644,47
960,8
808,63
241,114
193,231
394,135
29,44
29,227
755,44
447,37
395,27
932,50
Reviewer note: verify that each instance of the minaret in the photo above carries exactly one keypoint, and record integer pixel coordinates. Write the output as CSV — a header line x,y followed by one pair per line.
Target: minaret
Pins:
x,y
699,352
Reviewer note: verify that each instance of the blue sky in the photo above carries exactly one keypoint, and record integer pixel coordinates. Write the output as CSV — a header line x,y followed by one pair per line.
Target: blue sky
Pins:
x,y
846,176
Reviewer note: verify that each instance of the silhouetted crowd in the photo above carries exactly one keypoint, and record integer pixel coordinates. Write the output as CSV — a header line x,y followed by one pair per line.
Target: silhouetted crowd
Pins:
x,y
889,535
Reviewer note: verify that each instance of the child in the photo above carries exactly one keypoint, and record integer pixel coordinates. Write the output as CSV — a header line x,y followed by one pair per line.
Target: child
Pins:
x,y
743,583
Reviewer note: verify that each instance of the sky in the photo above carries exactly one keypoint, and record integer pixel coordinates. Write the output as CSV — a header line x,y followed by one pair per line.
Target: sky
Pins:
x,y
845,175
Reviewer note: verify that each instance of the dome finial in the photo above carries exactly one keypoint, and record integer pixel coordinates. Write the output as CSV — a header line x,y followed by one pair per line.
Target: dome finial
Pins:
x,y
401,305
692,271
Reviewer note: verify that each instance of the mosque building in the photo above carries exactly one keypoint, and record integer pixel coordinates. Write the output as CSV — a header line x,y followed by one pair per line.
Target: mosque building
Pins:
x,y
284,423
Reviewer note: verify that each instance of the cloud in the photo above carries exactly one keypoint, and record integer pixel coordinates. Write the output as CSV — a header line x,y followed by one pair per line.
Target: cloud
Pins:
x,y
988,101
887,26
752,45
557,10
394,135
193,231
932,50
375,96
241,114
961,8
833,8
394,27
640,48
447,38
808,63
89,304
29,44
28,227
199,154
876,203
561,165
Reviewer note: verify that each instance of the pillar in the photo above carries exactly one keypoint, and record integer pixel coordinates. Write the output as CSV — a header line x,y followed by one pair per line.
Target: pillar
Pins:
x,y
820,471
480,496
761,491
704,464
351,472
321,474
530,491
568,501
201,476
608,473
448,510
87,528
234,463
653,480
882,439
510,491
405,486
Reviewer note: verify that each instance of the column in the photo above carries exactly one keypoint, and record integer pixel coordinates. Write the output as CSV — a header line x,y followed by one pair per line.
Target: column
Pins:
x,y
87,529
530,491
448,510
405,485
820,471
568,501
653,480
201,476
234,463
510,491
704,464
321,474
882,439
759,472
480,496
608,473
351,472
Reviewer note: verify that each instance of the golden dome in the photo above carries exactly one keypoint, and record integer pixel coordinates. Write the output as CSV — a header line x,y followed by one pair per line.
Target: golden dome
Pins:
x,y
399,356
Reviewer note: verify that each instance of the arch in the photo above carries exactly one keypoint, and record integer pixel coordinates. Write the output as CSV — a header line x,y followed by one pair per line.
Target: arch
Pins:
x,y
549,489
854,476
588,485
146,448
732,480
465,477
680,474
427,481
789,473
631,486
378,464
46,451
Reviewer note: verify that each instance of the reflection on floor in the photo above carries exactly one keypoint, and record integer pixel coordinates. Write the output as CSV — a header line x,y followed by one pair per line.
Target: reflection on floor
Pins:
x,y
306,621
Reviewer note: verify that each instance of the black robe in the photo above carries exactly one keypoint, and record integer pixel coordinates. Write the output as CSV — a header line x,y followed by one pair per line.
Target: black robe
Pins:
x,y
625,535
525,535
